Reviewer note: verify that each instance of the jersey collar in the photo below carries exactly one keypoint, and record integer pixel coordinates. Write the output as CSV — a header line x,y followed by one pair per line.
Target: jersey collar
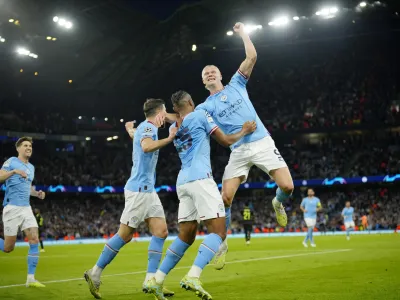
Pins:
x,y
216,92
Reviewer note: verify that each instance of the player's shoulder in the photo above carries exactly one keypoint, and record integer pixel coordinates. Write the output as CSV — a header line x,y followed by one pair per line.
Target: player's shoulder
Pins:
x,y
147,127
10,162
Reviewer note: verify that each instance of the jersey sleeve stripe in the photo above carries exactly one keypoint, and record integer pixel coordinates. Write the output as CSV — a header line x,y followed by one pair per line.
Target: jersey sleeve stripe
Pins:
x,y
212,130
244,76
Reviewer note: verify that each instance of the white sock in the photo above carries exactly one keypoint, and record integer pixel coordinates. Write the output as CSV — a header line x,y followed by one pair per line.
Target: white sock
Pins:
x,y
30,278
160,277
195,271
148,277
96,272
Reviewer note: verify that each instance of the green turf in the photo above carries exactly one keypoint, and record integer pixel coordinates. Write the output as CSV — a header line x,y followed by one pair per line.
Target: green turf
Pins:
x,y
270,268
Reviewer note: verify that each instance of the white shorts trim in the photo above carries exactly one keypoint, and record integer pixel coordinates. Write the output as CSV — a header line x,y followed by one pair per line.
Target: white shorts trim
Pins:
x,y
139,207
310,222
200,200
262,153
351,224
15,217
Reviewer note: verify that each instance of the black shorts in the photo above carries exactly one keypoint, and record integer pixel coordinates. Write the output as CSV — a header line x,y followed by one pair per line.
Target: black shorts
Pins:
x,y
248,227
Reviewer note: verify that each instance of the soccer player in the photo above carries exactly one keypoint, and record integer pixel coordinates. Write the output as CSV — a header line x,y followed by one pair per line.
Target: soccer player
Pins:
x,y
141,200
348,219
18,173
199,198
230,106
247,214
40,221
310,206
364,221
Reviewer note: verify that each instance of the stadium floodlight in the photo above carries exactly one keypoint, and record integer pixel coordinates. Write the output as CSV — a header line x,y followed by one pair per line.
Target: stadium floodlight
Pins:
x,y
70,81
55,19
194,48
80,117
48,38
328,12
115,137
362,4
279,22
230,32
23,51
54,39
109,139
333,10
61,22
93,118
106,119
2,39
121,120
88,138
296,18
251,28
68,25
11,20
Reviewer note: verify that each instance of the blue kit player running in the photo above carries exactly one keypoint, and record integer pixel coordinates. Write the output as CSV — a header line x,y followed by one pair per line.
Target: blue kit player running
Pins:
x,y
348,219
141,200
310,206
230,107
18,174
199,198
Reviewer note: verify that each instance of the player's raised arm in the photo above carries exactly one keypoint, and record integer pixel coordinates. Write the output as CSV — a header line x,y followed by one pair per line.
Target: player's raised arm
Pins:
x,y
228,140
150,145
251,54
130,128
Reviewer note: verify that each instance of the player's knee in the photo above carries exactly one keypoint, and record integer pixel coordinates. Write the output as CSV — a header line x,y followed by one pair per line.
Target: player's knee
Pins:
x,y
287,187
227,199
9,248
33,240
162,233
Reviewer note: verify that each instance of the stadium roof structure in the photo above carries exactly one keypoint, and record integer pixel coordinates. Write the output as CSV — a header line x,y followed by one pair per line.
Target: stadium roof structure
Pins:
x,y
117,47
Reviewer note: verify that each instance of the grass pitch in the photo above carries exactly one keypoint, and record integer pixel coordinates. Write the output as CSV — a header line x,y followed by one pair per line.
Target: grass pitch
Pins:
x,y
366,267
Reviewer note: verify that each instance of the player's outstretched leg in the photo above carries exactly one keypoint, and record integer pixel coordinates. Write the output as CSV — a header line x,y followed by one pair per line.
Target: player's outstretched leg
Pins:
x,y
306,239
110,250
207,250
175,252
158,228
348,232
284,181
33,257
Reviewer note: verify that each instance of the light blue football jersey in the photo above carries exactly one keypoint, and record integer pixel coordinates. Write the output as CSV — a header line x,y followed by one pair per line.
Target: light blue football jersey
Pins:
x,y
231,108
143,174
192,142
310,205
18,189
348,214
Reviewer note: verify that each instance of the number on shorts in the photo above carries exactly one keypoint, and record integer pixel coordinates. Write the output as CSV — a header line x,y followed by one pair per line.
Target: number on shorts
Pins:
x,y
278,154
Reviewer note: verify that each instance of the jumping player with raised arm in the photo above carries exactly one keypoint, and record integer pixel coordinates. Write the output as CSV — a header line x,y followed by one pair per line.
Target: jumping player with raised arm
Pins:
x,y
199,198
141,200
18,173
230,107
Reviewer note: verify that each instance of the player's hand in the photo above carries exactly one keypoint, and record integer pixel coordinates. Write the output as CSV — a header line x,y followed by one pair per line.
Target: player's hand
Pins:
x,y
239,28
305,210
20,173
130,128
249,127
172,133
160,120
41,194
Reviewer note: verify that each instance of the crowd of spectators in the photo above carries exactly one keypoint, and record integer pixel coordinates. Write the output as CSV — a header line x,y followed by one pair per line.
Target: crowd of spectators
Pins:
x,y
94,216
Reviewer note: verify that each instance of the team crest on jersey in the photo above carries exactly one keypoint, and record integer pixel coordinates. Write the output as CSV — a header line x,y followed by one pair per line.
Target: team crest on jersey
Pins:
x,y
148,129
7,163
223,98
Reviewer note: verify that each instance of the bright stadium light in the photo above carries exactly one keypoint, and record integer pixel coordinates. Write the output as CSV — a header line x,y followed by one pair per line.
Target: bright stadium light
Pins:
x,y
109,139
106,119
48,38
88,138
93,118
194,48
229,32
327,12
333,10
251,28
296,18
23,51
61,22
121,120
55,19
11,20
363,4
278,22
68,25
2,39
80,117
115,137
